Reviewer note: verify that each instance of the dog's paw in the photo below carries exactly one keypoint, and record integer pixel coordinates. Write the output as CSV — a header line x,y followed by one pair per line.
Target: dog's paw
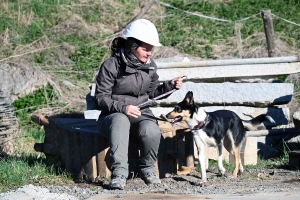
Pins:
x,y
202,183
221,173
232,176
222,170
240,173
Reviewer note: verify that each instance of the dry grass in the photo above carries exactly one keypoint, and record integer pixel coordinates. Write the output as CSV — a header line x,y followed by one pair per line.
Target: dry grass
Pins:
x,y
76,26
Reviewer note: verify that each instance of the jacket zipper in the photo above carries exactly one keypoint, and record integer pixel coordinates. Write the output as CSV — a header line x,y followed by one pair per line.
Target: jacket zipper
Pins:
x,y
141,88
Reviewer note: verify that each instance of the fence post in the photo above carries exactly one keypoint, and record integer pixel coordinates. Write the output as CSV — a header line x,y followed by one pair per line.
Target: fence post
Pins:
x,y
269,31
239,44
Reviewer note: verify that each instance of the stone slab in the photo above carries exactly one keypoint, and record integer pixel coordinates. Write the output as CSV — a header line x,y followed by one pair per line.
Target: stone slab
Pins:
x,y
232,94
229,72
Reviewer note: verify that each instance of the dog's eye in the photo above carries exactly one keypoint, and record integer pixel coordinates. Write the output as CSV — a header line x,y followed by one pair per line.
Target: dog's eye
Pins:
x,y
177,109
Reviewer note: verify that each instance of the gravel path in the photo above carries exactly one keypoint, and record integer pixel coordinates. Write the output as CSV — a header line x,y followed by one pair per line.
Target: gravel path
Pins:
x,y
253,181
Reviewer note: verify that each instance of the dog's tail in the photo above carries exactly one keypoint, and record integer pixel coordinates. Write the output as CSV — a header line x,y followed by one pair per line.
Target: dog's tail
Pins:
x,y
259,119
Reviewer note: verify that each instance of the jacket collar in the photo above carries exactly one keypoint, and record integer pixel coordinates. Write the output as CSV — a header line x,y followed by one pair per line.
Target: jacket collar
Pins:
x,y
129,68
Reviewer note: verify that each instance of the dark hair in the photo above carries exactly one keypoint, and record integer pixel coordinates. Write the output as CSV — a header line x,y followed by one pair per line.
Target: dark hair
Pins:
x,y
128,44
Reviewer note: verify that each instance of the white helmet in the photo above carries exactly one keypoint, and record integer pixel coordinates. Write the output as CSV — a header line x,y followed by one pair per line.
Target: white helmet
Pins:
x,y
143,30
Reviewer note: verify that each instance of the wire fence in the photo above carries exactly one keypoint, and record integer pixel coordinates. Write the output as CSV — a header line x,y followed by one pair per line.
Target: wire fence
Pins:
x,y
226,21
222,20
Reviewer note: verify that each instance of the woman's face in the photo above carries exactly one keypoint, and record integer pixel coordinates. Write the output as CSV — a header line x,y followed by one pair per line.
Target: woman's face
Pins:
x,y
143,52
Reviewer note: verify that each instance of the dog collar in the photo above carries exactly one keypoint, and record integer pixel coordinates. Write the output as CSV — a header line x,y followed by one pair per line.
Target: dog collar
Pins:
x,y
199,125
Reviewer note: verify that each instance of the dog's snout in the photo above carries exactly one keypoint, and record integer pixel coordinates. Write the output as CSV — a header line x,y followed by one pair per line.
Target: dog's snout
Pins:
x,y
168,115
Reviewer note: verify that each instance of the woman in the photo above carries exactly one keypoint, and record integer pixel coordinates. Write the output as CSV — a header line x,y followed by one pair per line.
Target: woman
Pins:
x,y
125,80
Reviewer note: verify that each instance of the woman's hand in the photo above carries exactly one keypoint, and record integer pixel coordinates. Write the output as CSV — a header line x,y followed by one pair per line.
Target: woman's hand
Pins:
x,y
133,111
177,82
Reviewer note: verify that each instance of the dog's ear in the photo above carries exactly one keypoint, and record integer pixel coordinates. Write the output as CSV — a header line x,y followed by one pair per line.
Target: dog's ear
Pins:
x,y
189,99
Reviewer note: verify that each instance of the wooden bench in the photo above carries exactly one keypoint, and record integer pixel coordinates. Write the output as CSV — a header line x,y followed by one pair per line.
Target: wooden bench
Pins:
x,y
75,145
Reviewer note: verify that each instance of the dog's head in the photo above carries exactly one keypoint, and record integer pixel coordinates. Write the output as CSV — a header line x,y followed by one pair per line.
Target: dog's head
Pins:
x,y
184,110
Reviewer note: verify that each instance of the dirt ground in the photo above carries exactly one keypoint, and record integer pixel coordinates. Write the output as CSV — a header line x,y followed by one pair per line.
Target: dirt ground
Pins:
x,y
253,182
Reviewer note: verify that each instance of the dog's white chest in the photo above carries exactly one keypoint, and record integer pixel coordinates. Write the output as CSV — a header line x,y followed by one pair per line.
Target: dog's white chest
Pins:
x,y
207,141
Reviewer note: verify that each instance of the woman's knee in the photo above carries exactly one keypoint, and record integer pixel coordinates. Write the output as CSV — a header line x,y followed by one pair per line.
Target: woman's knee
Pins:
x,y
118,119
112,123
149,129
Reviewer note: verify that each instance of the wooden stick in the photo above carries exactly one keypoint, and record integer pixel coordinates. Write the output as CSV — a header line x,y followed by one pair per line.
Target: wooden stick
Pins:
x,y
144,9
271,132
269,31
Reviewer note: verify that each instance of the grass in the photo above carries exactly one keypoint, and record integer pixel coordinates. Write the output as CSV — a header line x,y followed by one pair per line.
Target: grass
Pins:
x,y
85,27
27,169
26,166
25,106
198,36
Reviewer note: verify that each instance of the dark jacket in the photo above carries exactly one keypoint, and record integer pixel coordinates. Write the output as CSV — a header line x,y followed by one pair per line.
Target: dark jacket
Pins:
x,y
118,85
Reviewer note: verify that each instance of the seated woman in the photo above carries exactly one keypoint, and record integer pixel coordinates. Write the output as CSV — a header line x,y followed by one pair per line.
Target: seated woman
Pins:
x,y
126,79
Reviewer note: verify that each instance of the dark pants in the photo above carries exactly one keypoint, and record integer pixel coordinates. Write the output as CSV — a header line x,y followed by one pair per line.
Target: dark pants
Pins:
x,y
117,127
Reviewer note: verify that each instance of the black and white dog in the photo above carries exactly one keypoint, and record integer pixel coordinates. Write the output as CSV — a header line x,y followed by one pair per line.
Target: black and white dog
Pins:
x,y
214,129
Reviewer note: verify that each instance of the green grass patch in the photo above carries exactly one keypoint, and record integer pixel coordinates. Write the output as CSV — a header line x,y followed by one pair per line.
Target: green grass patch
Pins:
x,y
88,59
25,106
27,169
191,33
37,134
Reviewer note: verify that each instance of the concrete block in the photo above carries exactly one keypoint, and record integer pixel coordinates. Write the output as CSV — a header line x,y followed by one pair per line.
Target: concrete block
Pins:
x,y
212,153
248,153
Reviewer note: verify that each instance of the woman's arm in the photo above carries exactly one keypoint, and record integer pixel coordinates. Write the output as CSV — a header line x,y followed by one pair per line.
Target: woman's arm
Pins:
x,y
104,84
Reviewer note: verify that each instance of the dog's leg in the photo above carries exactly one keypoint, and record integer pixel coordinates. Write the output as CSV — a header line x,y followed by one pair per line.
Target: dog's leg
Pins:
x,y
241,168
238,163
201,156
220,159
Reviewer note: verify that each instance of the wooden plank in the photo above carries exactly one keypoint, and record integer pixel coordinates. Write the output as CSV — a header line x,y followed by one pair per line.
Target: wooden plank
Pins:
x,y
271,132
89,158
207,63
60,144
76,157
180,140
102,147
167,152
66,142
82,154
166,155
189,149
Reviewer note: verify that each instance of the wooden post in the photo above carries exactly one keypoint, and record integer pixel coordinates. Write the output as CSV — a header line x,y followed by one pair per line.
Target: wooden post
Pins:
x,y
75,141
189,149
239,43
269,31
